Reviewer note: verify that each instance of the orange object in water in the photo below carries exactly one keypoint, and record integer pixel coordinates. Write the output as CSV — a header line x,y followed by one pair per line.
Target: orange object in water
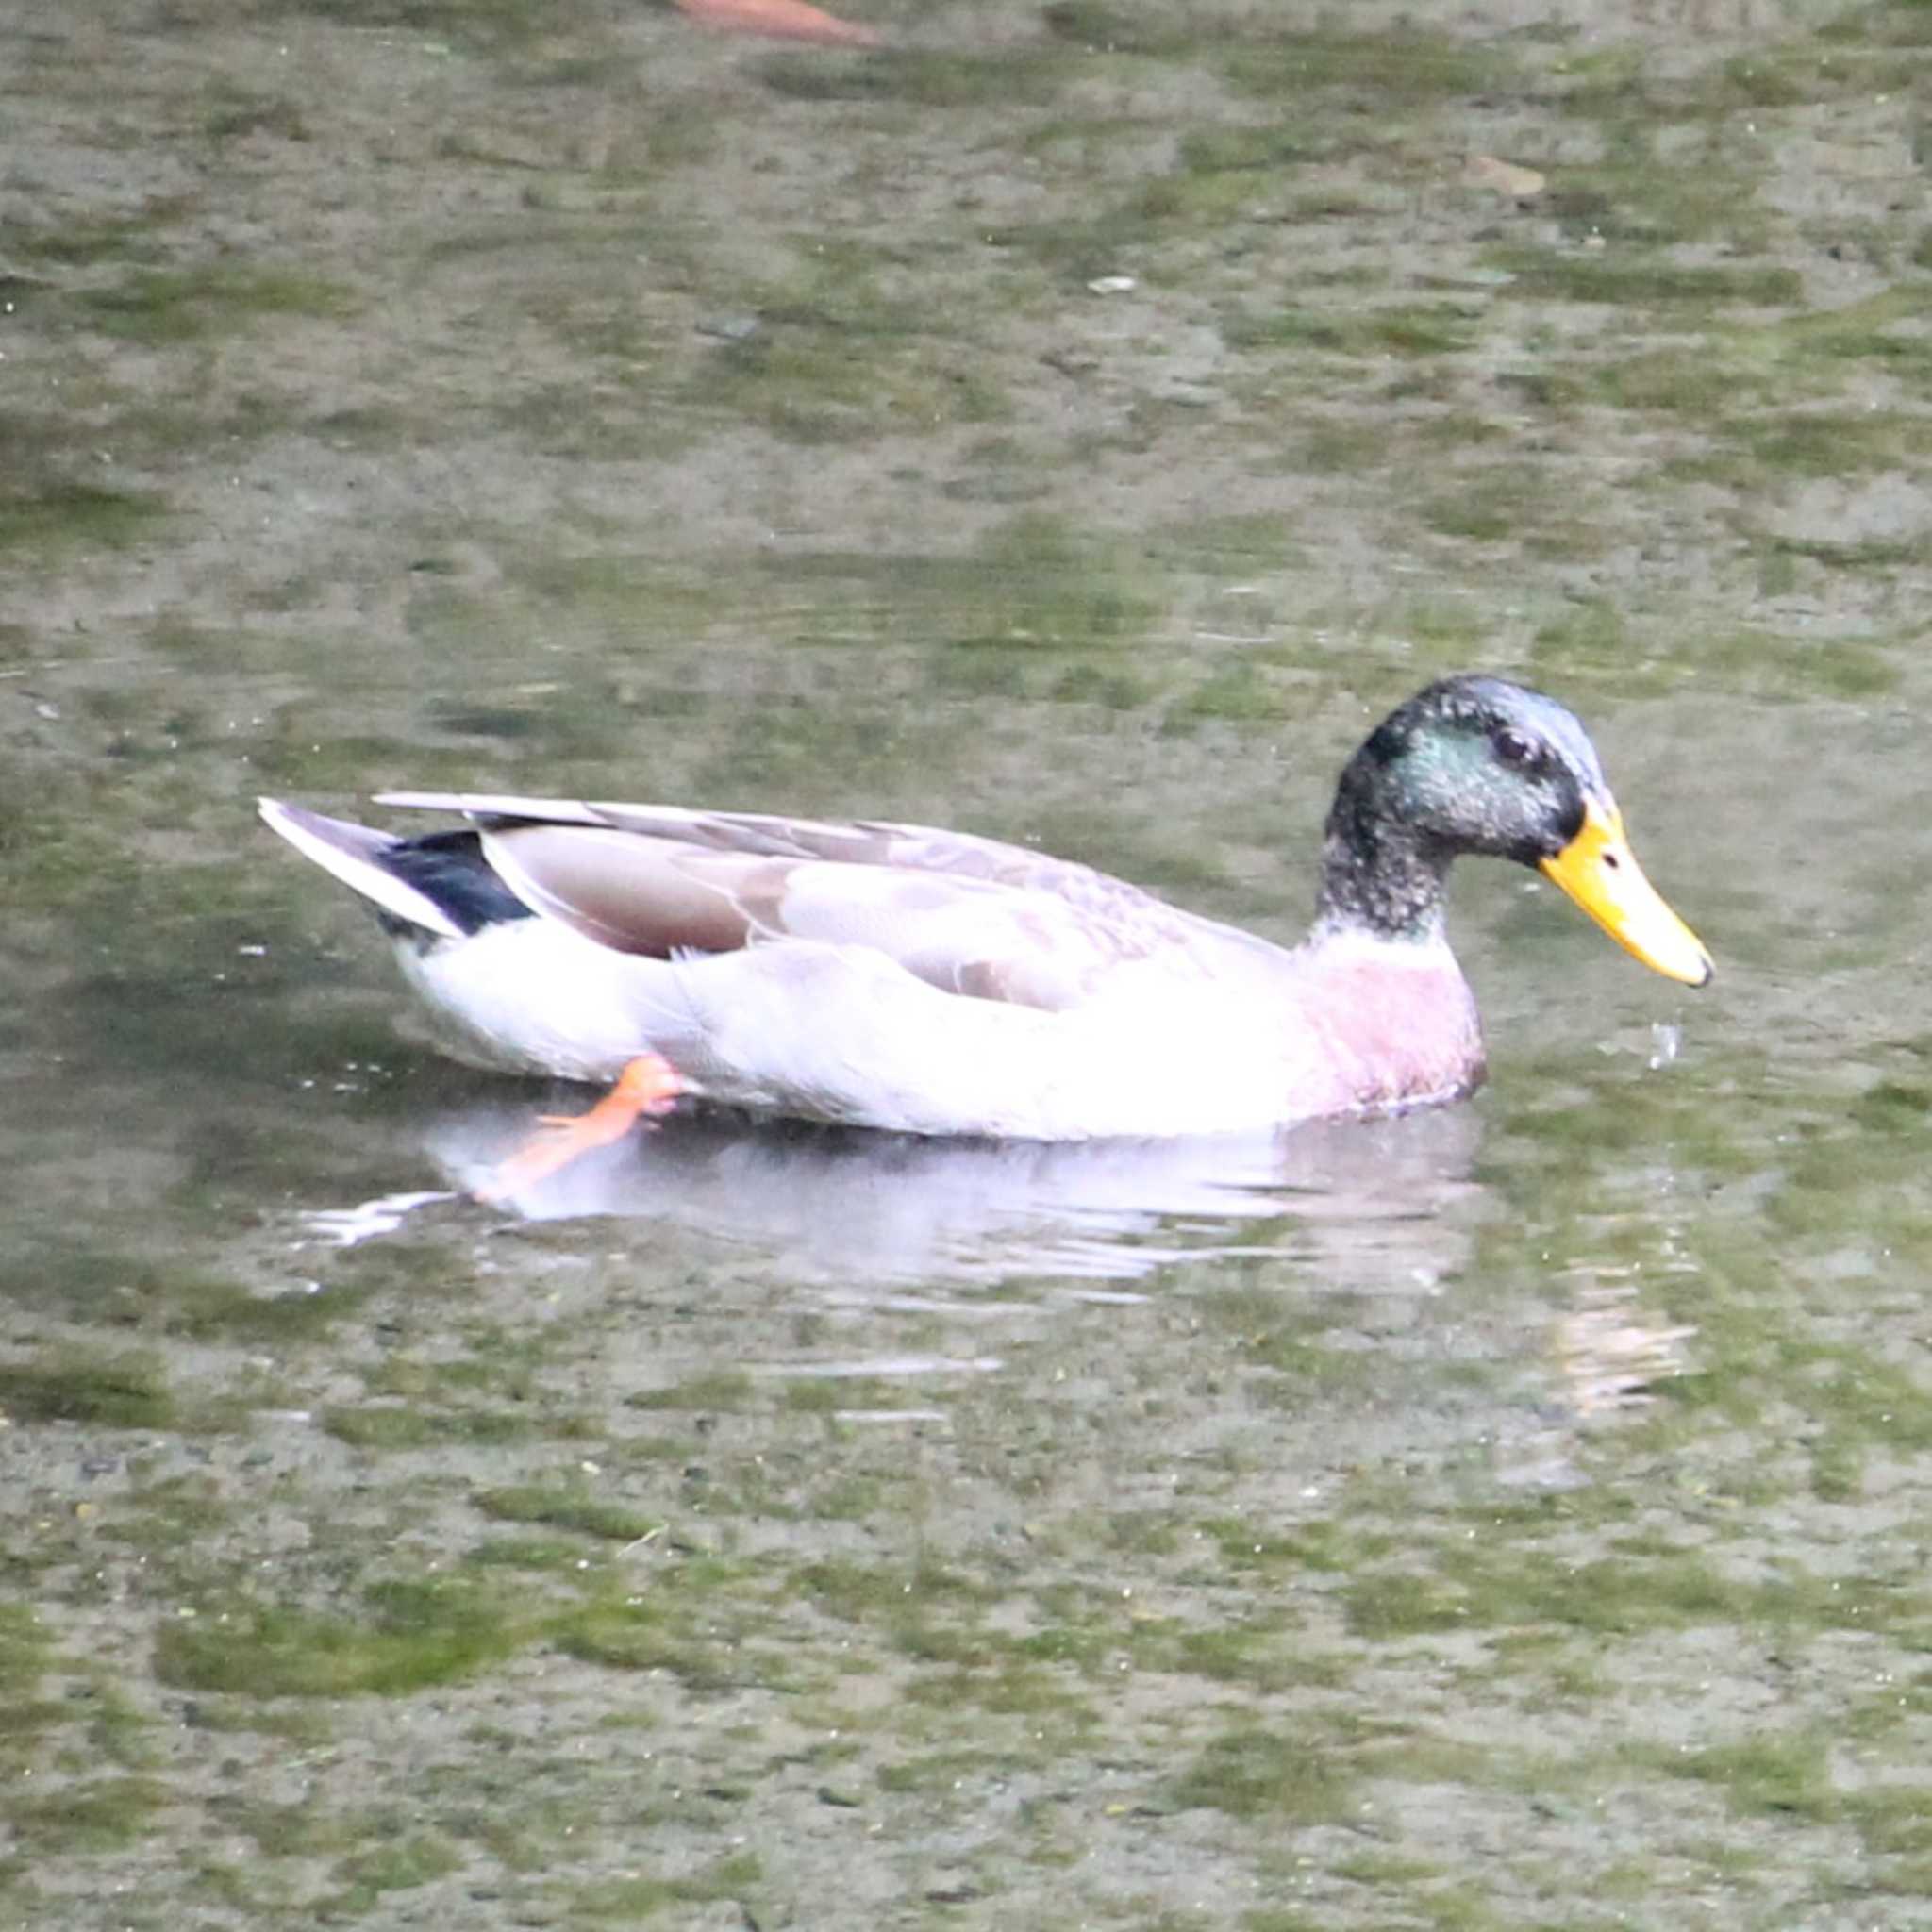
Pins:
x,y
648,1086
781,19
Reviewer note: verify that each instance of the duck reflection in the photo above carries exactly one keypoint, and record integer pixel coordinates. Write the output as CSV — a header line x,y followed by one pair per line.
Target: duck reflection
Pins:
x,y
1386,1208
1365,1202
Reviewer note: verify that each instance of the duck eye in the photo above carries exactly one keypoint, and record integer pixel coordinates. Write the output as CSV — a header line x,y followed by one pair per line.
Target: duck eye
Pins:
x,y
1518,751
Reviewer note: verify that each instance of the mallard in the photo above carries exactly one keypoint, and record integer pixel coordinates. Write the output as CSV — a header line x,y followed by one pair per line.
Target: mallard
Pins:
x,y
935,983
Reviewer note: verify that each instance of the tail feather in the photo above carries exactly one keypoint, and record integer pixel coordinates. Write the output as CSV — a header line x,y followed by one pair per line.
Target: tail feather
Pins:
x,y
356,854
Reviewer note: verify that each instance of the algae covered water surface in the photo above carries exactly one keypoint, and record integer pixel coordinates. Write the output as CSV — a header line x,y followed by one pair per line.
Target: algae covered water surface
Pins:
x,y
1074,423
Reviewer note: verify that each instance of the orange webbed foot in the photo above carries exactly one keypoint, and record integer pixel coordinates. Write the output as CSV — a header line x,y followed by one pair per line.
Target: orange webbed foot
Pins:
x,y
647,1087
782,19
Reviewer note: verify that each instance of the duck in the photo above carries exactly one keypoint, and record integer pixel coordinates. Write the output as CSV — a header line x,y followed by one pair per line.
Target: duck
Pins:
x,y
936,983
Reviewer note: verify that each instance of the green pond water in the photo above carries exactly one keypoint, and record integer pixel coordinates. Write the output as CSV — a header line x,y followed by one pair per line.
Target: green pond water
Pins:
x,y
1076,423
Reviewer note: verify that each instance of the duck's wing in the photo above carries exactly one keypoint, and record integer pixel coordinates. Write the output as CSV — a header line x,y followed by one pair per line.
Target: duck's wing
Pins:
x,y
848,841
968,915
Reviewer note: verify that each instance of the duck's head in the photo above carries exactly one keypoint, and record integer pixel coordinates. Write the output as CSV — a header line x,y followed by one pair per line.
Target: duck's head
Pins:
x,y
1478,764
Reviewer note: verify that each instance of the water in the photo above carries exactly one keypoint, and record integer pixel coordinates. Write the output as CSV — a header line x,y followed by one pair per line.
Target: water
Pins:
x,y
1510,1516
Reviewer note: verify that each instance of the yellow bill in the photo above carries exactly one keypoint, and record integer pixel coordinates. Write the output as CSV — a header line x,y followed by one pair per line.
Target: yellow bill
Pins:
x,y
1600,872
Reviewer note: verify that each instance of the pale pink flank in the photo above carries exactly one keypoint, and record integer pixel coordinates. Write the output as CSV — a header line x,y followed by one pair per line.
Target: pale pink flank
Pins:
x,y
780,19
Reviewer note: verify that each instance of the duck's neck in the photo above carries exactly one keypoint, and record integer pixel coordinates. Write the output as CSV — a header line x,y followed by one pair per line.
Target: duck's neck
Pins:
x,y
1379,875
